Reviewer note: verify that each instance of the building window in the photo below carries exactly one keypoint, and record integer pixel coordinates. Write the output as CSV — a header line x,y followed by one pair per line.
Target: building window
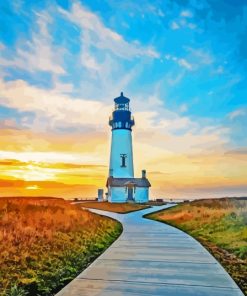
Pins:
x,y
120,124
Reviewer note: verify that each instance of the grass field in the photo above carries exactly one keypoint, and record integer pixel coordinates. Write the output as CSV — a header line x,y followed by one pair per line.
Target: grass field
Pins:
x,y
220,225
45,243
121,208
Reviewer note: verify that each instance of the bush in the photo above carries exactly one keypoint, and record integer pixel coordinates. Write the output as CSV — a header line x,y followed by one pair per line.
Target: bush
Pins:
x,y
16,291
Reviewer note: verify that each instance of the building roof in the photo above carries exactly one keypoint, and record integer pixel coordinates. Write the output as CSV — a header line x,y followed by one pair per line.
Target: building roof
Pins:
x,y
122,182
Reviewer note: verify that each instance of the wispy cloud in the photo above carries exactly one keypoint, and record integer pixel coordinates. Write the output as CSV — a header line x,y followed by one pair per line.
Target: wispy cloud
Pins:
x,y
184,63
38,54
201,55
186,13
237,113
96,34
183,21
174,25
193,59
52,157
61,110
183,108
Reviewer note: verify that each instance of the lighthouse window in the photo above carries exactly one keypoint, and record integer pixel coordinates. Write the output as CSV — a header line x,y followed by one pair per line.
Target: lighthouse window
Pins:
x,y
120,124
123,160
126,124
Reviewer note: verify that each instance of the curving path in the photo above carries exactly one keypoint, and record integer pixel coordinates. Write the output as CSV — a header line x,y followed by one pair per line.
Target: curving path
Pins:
x,y
152,258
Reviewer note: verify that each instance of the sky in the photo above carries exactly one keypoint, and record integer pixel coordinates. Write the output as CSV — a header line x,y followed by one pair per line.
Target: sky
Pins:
x,y
183,65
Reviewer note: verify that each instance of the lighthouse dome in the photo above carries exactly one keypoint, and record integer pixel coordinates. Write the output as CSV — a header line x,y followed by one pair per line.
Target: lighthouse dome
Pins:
x,y
122,99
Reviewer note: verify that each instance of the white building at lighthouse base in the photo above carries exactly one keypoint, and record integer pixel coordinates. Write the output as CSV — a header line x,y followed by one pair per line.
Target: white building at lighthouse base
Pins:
x,y
128,189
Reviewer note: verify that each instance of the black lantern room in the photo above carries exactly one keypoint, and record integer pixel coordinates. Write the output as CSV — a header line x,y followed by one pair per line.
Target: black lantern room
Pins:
x,y
121,117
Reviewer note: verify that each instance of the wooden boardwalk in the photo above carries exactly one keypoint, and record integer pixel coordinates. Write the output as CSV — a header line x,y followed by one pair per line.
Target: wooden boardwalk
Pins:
x,y
152,258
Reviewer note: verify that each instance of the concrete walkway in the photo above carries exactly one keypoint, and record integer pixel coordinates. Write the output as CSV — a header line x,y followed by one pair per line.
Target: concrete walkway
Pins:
x,y
151,258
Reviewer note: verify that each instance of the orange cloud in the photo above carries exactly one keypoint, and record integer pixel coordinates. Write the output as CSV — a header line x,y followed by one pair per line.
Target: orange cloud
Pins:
x,y
46,188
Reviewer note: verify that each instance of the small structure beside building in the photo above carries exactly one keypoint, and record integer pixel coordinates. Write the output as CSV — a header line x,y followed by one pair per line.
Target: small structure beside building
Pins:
x,y
121,183
100,194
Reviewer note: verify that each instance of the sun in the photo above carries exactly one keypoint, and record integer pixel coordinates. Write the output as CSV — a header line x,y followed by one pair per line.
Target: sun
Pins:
x,y
32,187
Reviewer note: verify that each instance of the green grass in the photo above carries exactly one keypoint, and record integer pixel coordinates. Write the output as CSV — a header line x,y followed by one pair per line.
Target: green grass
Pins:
x,y
220,225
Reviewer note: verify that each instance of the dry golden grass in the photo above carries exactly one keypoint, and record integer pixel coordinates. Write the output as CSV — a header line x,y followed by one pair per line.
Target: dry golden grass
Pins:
x,y
220,225
114,207
45,242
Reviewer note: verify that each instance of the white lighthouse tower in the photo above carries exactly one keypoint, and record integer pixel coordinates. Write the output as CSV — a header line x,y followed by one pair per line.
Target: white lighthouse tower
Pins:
x,y
121,160
122,186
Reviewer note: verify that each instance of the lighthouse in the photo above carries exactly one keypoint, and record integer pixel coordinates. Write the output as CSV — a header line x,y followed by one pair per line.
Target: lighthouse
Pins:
x,y
121,183
121,122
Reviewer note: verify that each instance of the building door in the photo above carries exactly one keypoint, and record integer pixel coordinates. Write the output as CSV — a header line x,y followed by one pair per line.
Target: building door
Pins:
x,y
130,194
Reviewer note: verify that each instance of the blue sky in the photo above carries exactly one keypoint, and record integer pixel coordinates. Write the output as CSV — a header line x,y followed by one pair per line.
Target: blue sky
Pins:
x,y
182,63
